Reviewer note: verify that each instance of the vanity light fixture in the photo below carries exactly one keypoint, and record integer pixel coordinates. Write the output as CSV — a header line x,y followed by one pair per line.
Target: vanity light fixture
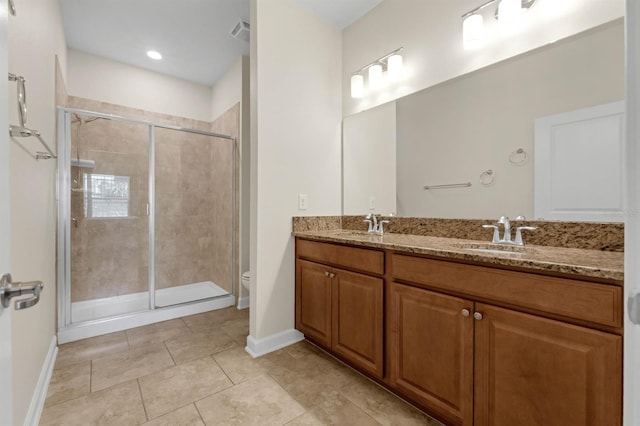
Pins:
x,y
357,86
388,67
375,76
507,13
472,31
154,55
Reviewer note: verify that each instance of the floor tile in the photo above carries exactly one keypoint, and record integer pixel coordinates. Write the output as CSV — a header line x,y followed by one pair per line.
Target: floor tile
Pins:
x,y
125,366
310,379
185,416
238,330
213,320
335,410
87,349
239,366
118,405
197,345
69,382
174,387
259,401
157,333
383,406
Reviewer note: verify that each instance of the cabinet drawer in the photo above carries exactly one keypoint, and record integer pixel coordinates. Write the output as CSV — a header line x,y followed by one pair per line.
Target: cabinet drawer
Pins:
x,y
596,303
349,257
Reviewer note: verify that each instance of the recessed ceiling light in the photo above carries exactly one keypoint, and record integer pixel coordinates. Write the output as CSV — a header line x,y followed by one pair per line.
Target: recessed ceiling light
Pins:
x,y
154,55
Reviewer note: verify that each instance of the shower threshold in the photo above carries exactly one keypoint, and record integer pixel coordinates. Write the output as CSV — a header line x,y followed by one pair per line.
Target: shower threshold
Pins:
x,y
90,310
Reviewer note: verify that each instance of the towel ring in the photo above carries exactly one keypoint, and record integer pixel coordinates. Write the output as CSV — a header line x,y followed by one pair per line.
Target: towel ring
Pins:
x,y
487,177
518,157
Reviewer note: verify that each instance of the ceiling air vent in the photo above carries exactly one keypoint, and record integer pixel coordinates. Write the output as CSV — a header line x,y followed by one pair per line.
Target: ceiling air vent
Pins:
x,y
241,30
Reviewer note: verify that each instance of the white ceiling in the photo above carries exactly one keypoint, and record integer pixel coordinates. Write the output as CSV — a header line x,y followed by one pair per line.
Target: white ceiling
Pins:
x,y
192,35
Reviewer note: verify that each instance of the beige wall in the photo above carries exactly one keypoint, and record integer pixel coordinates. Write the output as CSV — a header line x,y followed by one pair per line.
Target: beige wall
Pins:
x,y
431,34
453,132
36,36
295,147
94,77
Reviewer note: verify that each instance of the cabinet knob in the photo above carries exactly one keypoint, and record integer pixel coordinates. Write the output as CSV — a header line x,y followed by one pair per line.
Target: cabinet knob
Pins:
x,y
331,275
326,274
465,312
477,316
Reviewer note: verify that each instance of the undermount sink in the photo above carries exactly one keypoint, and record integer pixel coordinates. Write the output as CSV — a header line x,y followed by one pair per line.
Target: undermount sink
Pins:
x,y
502,249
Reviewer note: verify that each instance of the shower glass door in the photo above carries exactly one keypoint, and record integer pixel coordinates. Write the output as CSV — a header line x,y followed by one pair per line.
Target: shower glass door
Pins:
x,y
193,216
109,242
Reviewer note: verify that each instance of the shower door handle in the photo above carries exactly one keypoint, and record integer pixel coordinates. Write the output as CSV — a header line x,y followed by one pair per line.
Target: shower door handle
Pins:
x,y
9,290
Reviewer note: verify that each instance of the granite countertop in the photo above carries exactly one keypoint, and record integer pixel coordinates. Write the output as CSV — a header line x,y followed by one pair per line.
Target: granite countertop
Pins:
x,y
598,264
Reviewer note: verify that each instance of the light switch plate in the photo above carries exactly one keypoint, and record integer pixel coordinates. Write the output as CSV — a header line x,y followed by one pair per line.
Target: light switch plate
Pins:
x,y
302,201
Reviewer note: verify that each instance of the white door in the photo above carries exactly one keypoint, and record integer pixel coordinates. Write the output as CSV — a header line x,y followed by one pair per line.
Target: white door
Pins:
x,y
579,157
5,314
632,223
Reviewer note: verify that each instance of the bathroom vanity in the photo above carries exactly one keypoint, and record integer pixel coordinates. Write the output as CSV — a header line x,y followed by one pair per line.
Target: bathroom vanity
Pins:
x,y
471,337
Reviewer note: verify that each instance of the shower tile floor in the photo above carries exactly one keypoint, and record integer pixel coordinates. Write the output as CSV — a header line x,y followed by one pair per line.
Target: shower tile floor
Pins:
x,y
195,371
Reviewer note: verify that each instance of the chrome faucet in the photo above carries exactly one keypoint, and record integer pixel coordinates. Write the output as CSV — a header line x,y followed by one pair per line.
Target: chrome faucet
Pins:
x,y
506,237
375,226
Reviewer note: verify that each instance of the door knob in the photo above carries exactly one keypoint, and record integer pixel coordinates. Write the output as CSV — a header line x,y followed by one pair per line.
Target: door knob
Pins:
x,y
9,290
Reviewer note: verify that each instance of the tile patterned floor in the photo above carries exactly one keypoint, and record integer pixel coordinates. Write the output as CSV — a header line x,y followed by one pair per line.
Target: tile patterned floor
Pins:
x,y
195,371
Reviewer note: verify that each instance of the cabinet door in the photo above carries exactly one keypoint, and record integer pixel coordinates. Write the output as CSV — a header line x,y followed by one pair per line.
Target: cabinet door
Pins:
x,y
535,371
313,302
431,351
358,321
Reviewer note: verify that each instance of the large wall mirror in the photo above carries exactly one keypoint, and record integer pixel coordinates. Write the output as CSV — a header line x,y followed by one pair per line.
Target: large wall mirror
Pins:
x,y
476,129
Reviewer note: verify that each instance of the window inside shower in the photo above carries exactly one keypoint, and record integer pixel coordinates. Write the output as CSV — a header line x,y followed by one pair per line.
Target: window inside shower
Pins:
x,y
105,195
147,217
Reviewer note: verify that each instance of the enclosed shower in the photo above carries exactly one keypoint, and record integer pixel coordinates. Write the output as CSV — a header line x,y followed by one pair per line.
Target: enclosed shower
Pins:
x,y
146,226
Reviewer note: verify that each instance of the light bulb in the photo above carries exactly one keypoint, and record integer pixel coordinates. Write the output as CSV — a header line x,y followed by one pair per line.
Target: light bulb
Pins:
x,y
472,31
357,86
395,67
375,76
509,13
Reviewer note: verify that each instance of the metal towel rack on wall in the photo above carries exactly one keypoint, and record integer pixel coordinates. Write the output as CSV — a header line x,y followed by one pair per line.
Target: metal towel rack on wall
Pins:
x,y
22,131
449,185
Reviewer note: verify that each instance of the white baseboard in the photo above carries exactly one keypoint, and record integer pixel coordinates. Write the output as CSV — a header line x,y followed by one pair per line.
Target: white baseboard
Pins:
x,y
258,347
243,302
40,393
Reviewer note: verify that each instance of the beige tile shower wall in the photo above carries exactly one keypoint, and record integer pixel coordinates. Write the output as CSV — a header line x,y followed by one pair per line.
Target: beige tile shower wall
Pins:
x,y
194,208
185,251
224,229
109,256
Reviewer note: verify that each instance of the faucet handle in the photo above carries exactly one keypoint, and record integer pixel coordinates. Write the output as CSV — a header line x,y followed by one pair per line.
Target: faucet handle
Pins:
x,y
519,241
370,225
520,218
496,233
381,226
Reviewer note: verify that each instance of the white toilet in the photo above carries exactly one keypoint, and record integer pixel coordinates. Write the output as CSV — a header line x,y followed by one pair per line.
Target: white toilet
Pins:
x,y
246,280
243,302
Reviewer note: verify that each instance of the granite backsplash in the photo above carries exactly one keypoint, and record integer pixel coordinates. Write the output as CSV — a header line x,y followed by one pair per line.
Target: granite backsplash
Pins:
x,y
582,235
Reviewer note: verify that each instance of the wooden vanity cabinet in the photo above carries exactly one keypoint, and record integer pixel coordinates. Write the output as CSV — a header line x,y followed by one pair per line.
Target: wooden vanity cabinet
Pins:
x,y
504,367
430,346
530,370
341,310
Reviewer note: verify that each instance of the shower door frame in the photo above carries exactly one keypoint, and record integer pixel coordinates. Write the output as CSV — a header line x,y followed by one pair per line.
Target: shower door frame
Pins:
x,y
68,331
